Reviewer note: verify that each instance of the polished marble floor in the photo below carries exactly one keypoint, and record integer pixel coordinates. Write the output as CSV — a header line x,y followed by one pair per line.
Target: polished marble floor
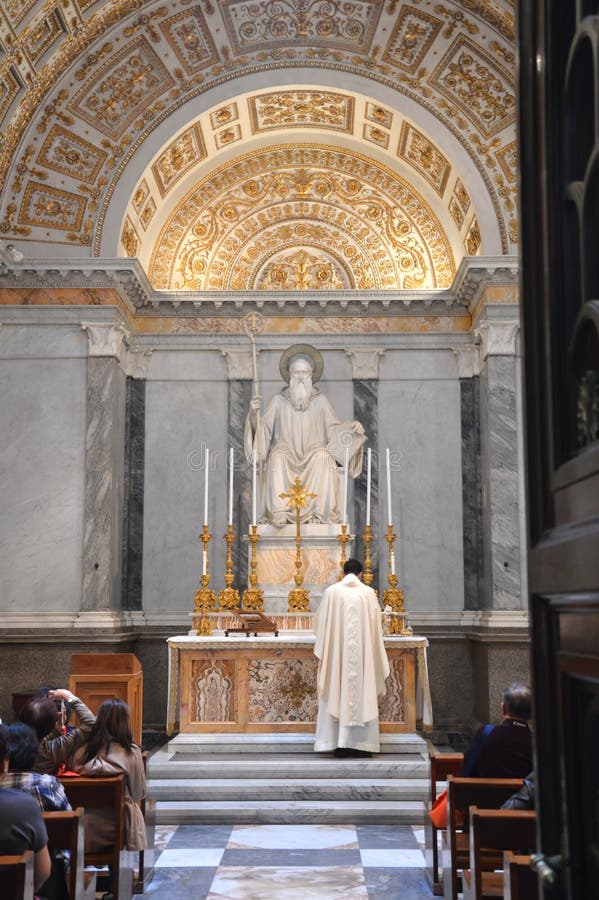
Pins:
x,y
284,862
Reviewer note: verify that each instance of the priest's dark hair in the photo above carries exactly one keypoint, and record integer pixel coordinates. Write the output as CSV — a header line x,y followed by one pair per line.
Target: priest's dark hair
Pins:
x,y
352,567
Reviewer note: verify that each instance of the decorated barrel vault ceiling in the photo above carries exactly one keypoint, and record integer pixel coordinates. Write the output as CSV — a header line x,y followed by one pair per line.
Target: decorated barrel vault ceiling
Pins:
x,y
242,146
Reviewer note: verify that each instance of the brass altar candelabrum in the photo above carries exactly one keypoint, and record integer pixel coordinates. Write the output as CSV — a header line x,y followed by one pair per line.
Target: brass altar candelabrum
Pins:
x,y
229,596
205,597
367,538
393,596
344,537
298,497
253,597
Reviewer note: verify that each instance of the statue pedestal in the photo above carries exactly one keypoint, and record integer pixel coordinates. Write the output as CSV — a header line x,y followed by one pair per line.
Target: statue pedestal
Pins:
x,y
321,558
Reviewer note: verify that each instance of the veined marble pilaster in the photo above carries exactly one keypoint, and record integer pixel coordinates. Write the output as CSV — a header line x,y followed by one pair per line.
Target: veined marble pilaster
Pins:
x,y
239,363
499,465
133,494
103,466
471,492
365,375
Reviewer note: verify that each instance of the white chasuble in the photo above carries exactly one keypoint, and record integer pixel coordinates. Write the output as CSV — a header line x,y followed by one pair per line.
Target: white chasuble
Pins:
x,y
353,667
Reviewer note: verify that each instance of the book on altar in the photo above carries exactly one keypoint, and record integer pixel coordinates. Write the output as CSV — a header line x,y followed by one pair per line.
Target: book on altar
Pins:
x,y
343,437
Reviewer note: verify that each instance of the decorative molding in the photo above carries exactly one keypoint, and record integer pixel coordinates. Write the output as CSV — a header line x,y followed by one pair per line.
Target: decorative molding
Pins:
x,y
475,273
468,360
365,362
106,339
239,362
497,338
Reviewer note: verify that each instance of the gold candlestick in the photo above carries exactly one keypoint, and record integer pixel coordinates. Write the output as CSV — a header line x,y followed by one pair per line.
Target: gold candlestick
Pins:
x,y
393,596
344,537
229,596
205,598
367,538
253,597
299,597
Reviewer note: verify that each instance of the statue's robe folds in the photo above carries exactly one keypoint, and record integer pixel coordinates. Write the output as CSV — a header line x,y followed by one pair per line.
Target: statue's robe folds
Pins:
x,y
305,444
352,669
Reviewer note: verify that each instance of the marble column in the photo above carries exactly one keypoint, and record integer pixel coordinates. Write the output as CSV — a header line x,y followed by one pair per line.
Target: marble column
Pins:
x,y
499,464
103,467
133,480
240,374
473,555
365,376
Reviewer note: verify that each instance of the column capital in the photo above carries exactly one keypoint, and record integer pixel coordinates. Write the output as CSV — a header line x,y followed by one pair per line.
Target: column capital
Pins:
x,y
239,363
497,337
106,338
468,361
136,362
365,361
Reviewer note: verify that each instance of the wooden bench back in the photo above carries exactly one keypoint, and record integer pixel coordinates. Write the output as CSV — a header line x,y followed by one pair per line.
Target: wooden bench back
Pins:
x,y
65,832
497,829
16,876
519,880
442,765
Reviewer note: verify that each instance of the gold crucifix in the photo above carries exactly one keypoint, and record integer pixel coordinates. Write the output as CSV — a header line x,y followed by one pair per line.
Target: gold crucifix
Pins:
x,y
298,497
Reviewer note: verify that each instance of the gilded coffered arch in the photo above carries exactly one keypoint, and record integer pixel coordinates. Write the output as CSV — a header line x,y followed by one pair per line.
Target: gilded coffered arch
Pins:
x,y
111,111
314,201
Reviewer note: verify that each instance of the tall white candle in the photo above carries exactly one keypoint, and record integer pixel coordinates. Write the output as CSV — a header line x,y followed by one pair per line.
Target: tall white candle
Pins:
x,y
231,467
206,487
392,563
368,475
389,514
345,476
204,562
254,491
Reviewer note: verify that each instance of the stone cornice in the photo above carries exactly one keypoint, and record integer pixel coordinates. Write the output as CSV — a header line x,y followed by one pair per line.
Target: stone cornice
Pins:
x,y
129,279
365,361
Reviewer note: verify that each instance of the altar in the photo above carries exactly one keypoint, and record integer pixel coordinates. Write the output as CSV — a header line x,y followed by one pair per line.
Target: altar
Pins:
x,y
247,684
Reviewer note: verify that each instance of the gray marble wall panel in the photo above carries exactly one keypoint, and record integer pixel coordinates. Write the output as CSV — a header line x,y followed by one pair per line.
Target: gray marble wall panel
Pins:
x,y
366,412
182,419
133,494
42,422
500,481
240,392
104,462
420,422
472,493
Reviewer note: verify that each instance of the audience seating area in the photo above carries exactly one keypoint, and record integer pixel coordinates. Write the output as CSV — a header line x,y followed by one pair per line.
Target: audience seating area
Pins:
x,y
16,876
65,832
483,848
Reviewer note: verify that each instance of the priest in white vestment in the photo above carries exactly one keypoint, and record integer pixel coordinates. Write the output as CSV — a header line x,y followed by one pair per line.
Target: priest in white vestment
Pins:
x,y
299,436
353,666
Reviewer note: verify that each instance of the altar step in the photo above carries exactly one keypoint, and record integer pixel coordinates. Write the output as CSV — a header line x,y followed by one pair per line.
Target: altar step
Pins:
x,y
261,779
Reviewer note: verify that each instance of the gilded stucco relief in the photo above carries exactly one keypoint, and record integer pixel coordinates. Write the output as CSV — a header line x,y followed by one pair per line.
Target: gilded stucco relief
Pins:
x,y
181,154
419,152
223,233
85,81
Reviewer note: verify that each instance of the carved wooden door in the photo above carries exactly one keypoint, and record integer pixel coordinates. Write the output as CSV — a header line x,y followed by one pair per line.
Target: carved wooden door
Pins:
x,y
559,147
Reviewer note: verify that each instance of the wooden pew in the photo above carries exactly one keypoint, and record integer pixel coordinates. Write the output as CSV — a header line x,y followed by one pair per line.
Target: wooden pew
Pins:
x,y
16,876
462,793
106,793
441,765
519,880
494,829
146,858
65,832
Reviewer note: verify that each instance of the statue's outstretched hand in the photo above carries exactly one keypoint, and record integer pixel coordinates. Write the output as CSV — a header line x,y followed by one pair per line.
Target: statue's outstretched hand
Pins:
x,y
357,427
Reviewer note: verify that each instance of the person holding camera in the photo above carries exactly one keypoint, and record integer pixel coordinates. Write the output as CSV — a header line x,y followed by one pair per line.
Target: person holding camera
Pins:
x,y
47,715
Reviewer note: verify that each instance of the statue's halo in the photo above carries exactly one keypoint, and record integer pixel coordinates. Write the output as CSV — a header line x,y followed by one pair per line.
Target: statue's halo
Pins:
x,y
306,350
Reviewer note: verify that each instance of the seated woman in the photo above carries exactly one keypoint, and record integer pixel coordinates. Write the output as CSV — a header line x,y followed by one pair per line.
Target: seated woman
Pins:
x,y
109,751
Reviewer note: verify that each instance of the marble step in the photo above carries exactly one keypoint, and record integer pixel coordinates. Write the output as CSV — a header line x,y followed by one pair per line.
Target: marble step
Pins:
x,y
280,743
165,765
252,789
266,812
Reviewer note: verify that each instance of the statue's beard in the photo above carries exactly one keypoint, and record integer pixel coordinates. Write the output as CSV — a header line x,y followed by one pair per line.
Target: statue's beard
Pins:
x,y
300,393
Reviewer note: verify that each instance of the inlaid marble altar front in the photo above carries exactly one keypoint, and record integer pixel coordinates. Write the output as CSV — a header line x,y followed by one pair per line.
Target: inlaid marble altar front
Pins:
x,y
241,684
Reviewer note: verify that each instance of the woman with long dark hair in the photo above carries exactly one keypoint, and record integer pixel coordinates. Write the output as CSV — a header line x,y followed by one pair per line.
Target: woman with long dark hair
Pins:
x,y
110,750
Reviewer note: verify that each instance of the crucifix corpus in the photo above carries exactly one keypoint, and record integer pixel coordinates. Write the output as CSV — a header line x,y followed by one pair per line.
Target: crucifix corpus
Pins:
x,y
298,497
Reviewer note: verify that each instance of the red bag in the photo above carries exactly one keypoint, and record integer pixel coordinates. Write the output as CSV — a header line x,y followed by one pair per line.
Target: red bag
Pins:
x,y
438,813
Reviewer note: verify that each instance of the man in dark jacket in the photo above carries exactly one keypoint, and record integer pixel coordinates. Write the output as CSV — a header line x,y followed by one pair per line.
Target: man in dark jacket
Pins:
x,y
504,751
